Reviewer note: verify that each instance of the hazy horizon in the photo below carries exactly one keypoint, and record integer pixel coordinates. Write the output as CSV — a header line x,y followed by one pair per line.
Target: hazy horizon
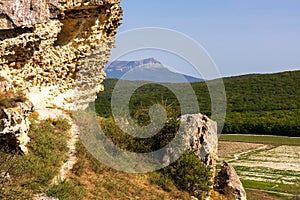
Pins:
x,y
241,37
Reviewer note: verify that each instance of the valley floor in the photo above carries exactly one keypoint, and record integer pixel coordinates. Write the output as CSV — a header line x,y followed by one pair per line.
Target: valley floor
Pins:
x,y
269,167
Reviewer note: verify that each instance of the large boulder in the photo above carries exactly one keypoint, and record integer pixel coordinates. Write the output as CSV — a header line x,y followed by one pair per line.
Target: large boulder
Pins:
x,y
202,138
200,135
228,183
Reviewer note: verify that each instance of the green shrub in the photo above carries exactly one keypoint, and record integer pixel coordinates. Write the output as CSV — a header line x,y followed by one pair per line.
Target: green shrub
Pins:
x,y
189,174
140,145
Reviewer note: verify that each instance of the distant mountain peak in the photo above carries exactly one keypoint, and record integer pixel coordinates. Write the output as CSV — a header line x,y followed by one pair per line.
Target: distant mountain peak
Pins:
x,y
149,61
148,69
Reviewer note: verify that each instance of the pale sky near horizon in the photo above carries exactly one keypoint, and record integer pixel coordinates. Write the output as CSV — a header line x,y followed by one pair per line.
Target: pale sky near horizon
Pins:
x,y
241,36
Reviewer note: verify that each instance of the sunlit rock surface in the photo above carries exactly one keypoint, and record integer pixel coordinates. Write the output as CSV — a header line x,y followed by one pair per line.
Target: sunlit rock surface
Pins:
x,y
44,49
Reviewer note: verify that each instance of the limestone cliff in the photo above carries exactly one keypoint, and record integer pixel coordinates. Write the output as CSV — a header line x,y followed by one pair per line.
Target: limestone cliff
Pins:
x,y
44,46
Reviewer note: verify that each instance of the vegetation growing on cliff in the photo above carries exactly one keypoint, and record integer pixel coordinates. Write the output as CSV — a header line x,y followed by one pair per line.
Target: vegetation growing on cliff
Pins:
x,y
257,103
91,179
9,99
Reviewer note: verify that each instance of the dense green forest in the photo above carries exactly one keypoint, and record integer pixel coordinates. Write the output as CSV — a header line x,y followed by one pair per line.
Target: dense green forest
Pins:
x,y
256,103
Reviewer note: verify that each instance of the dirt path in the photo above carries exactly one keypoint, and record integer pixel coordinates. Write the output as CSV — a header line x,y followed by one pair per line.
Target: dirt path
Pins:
x,y
244,153
46,113
72,159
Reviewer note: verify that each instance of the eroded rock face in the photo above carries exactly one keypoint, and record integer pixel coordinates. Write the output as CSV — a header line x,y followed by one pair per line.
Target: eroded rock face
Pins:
x,y
14,125
203,138
16,13
229,184
46,56
200,135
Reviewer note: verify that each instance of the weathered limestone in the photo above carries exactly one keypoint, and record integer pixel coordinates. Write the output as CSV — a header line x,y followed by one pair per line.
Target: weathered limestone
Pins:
x,y
44,197
203,138
228,183
16,13
47,59
45,52
5,85
200,135
14,125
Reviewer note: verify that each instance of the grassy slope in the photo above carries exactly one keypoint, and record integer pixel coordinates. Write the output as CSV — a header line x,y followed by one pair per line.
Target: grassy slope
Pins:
x,y
92,180
32,174
257,103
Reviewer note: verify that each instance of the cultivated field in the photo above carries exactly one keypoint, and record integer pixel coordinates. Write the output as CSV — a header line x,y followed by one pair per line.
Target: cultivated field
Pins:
x,y
265,164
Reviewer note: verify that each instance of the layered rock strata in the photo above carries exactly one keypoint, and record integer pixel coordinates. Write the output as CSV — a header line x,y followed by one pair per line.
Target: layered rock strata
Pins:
x,y
46,48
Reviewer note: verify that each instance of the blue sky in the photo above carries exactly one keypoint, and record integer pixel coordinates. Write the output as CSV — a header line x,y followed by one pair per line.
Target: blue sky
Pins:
x,y
241,36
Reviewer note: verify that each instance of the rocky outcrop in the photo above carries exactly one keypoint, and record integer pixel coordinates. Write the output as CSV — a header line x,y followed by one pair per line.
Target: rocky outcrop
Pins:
x,y
200,135
202,138
228,183
45,54
14,125
14,122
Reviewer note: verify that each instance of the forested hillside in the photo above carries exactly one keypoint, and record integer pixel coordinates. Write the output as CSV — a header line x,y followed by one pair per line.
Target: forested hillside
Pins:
x,y
256,103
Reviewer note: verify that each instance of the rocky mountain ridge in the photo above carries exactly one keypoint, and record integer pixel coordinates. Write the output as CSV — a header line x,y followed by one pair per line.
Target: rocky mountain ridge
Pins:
x,y
148,69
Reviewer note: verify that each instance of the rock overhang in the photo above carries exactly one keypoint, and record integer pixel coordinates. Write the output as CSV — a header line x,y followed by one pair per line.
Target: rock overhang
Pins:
x,y
49,57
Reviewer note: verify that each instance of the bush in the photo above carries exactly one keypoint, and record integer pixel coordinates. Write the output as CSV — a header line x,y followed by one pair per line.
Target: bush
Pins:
x,y
190,174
